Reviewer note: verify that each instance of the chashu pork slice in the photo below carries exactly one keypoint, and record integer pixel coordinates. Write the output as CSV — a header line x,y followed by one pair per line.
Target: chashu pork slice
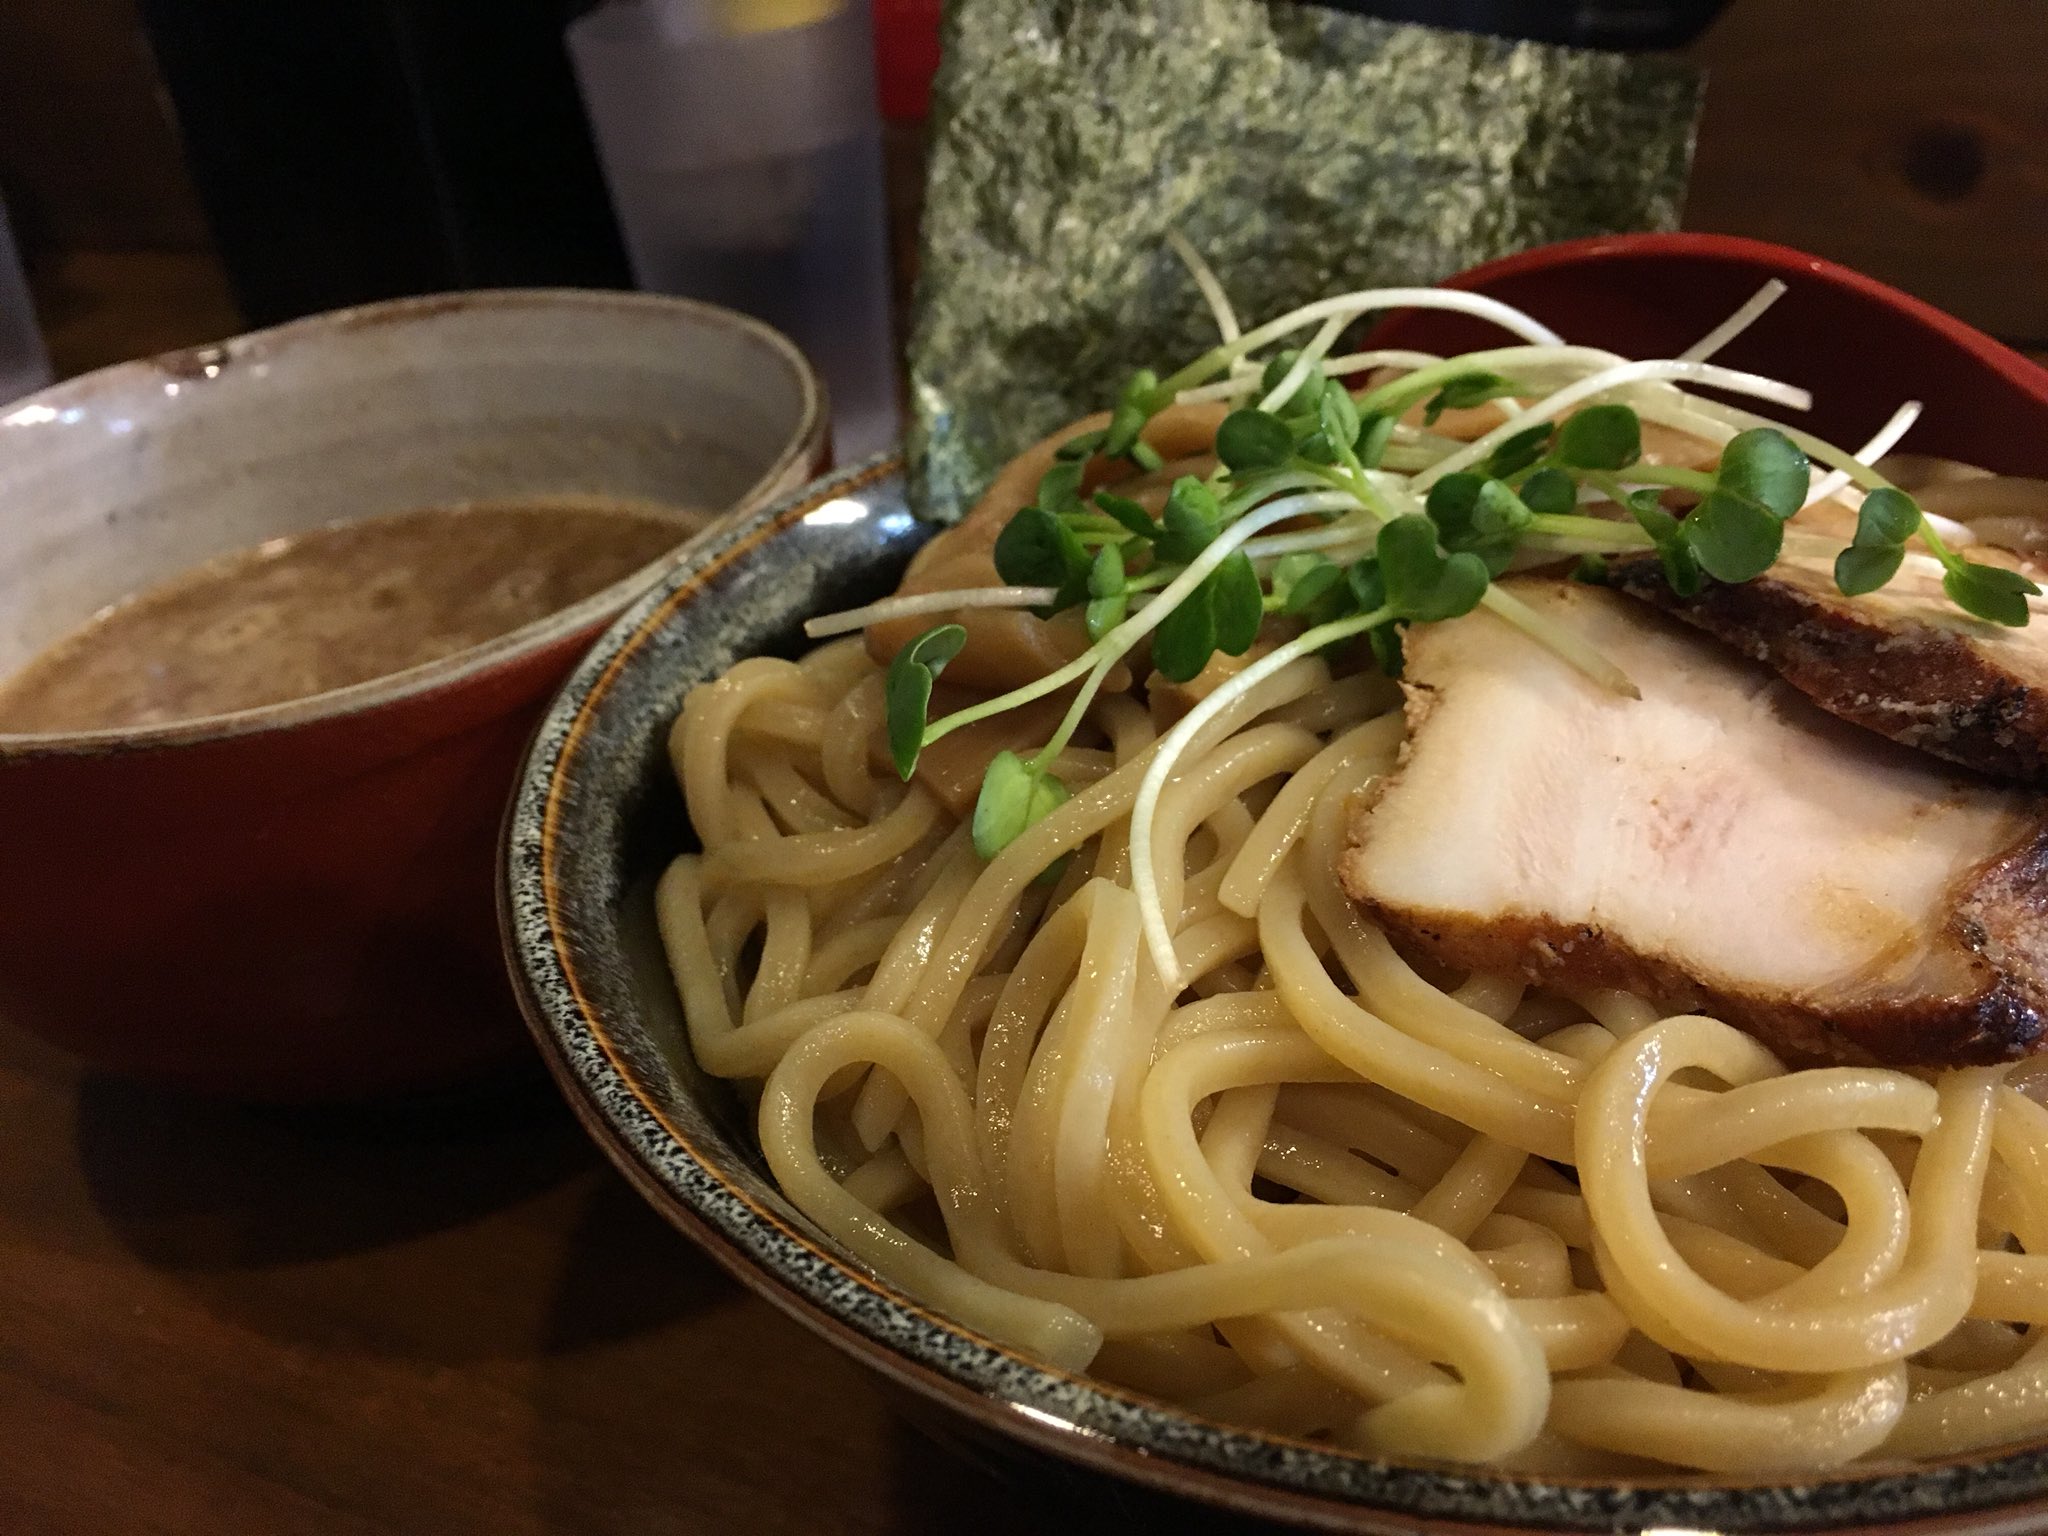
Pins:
x,y
1719,843
1903,661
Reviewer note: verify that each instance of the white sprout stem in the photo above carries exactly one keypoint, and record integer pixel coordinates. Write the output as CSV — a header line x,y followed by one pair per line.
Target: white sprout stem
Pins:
x,y
1561,642
1956,535
1523,357
1336,368
917,604
1273,485
1071,721
1313,353
1351,306
1205,277
1735,324
1649,370
1887,438
1386,357
1145,807
1143,621
1680,416
1233,388
1322,538
1819,449
1521,360
1866,477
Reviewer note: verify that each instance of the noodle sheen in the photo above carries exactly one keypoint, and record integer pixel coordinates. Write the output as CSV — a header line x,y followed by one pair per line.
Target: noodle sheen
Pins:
x,y
1317,1192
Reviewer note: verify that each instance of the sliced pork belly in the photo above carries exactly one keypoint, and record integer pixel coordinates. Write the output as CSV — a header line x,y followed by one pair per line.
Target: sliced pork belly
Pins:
x,y
1904,661
1718,843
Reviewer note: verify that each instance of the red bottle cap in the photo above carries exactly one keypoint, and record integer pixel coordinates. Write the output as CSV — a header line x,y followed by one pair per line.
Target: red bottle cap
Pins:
x,y
906,55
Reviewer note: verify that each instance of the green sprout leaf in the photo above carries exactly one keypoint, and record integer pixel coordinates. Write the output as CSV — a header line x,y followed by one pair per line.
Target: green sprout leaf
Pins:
x,y
1186,637
1450,506
1315,593
1289,569
1251,439
1766,467
907,690
1735,538
1865,568
1108,593
1385,641
1134,408
1014,798
1374,433
1238,603
1317,448
1477,514
1337,413
1592,570
1517,453
1422,582
1306,393
1681,568
1498,513
1193,517
1681,564
1888,517
1550,493
1466,391
1648,511
1604,437
1081,447
1104,614
1367,586
1106,575
1134,518
1991,592
1036,549
1887,520
1059,491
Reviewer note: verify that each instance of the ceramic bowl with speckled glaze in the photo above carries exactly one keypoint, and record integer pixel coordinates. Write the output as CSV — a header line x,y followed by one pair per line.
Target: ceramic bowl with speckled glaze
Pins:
x,y
597,817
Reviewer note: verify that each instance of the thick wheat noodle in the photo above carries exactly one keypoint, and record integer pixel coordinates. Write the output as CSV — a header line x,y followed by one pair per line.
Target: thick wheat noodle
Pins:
x,y
1320,1192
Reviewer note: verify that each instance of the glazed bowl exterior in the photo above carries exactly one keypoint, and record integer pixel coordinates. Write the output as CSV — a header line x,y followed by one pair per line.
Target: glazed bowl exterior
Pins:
x,y
596,818
592,824
296,901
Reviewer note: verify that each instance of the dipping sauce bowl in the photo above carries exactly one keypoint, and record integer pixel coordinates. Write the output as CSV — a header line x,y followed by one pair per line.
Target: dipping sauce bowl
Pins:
x,y
296,901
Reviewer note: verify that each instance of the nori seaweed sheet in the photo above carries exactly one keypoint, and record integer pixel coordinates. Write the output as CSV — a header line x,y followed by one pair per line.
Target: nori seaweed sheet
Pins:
x,y
1304,152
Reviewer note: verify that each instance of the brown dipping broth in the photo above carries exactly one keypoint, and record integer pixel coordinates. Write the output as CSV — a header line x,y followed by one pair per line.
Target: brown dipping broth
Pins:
x,y
344,604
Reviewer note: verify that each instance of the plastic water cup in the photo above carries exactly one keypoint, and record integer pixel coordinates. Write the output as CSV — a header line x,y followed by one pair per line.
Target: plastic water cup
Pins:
x,y
24,366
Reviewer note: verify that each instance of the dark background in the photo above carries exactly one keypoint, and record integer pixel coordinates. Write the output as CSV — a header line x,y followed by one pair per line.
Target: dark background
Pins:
x,y
1907,139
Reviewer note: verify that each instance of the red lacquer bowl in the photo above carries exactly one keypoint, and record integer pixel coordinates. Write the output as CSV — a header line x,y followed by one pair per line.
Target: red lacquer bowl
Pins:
x,y
1860,346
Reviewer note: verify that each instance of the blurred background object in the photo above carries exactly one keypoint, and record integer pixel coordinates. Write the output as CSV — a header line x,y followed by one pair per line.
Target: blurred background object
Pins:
x,y
23,363
742,144
351,152
1576,23
1912,146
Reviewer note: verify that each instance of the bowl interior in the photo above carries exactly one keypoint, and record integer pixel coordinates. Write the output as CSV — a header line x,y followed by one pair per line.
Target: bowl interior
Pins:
x,y
121,478
596,818
1862,347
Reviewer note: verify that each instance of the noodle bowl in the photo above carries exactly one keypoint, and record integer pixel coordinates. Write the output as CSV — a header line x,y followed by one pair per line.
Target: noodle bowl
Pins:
x,y
1139,1091
1319,1192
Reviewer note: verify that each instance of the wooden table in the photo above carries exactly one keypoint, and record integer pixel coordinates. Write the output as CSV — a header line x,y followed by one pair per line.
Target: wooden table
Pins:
x,y
434,1319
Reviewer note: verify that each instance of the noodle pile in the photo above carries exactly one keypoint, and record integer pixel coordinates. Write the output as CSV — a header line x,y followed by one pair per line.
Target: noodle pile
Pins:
x,y
1319,1192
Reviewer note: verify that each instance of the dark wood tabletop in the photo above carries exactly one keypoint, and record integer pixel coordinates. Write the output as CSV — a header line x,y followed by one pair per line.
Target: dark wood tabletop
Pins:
x,y
450,1317
445,1317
